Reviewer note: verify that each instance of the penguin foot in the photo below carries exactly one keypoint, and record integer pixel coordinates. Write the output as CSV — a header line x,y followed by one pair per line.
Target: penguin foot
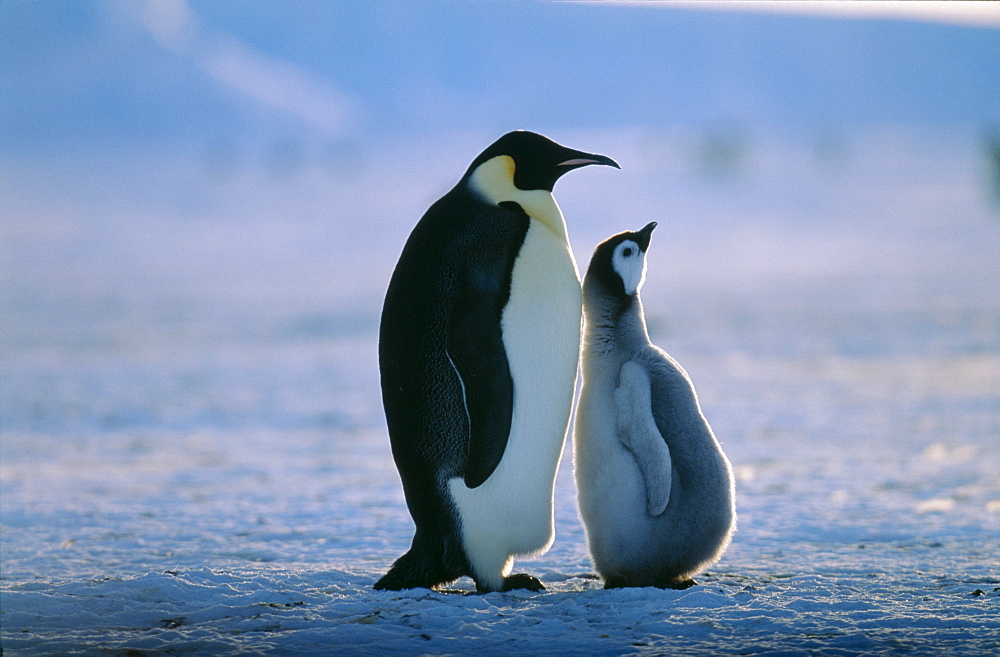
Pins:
x,y
409,572
613,582
522,581
619,582
397,580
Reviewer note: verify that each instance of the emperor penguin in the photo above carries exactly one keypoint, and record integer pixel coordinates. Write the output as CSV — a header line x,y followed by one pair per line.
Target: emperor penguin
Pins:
x,y
655,490
479,346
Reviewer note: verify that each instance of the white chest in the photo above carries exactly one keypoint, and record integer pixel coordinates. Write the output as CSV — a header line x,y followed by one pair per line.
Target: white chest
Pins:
x,y
541,334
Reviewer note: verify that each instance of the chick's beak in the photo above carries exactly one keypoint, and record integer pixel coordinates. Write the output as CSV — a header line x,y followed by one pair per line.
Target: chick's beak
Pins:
x,y
642,237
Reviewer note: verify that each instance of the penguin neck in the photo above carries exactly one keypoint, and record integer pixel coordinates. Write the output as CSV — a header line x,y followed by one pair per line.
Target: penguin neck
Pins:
x,y
494,181
613,322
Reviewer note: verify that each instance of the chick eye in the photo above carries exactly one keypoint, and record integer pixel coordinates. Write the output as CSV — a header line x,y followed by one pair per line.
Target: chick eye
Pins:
x,y
627,253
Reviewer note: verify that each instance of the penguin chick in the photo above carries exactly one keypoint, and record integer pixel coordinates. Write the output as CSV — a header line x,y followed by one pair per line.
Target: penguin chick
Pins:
x,y
478,350
656,492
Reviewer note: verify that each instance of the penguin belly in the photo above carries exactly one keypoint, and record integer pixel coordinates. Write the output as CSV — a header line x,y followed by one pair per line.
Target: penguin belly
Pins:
x,y
610,488
511,512
628,546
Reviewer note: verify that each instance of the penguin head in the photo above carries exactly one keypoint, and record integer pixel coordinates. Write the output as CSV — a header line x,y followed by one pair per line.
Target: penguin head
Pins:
x,y
535,162
618,266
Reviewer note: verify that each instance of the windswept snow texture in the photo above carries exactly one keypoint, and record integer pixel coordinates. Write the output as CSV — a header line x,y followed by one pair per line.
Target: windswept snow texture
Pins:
x,y
194,459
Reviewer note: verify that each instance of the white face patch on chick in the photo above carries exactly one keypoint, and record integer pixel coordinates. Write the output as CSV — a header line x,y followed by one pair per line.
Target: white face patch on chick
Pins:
x,y
629,262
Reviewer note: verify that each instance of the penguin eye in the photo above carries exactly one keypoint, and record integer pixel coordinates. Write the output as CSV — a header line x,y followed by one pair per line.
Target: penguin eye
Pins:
x,y
627,252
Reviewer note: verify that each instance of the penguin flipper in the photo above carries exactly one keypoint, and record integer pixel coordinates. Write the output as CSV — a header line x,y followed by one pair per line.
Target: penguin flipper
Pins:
x,y
637,430
475,348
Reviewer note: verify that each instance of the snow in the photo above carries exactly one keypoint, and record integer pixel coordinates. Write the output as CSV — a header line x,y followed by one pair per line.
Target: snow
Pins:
x,y
194,459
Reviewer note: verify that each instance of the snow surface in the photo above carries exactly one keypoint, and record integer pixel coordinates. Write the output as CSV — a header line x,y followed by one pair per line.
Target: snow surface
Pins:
x,y
194,458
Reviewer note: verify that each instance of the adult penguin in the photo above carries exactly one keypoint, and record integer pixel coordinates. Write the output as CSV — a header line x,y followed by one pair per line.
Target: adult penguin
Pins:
x,y
478,351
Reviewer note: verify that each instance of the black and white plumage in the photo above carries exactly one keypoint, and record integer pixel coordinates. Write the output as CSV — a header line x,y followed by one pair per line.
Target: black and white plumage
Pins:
x,y
656,492
478,351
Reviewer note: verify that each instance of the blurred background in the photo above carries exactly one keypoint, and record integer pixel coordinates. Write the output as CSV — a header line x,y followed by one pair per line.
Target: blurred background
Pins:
x,y
201,202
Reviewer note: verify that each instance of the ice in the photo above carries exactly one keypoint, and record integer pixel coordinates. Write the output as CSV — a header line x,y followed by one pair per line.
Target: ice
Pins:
x,y
194,458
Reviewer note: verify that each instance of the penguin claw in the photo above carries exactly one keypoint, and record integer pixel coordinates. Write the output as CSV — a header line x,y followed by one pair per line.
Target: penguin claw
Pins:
x,y
522,581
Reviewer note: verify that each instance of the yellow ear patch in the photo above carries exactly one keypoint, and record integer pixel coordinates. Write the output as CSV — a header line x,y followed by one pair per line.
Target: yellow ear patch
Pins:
x,y
494,180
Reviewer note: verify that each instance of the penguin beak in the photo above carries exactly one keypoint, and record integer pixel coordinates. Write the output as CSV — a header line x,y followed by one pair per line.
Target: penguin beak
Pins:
x,y
642,237
584,159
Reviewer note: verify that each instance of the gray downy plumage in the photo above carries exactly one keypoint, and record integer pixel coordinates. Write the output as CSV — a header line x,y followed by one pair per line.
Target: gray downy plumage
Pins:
x,y
656,492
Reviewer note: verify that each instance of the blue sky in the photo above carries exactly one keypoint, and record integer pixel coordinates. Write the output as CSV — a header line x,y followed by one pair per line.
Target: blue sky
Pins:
x,y
123,75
